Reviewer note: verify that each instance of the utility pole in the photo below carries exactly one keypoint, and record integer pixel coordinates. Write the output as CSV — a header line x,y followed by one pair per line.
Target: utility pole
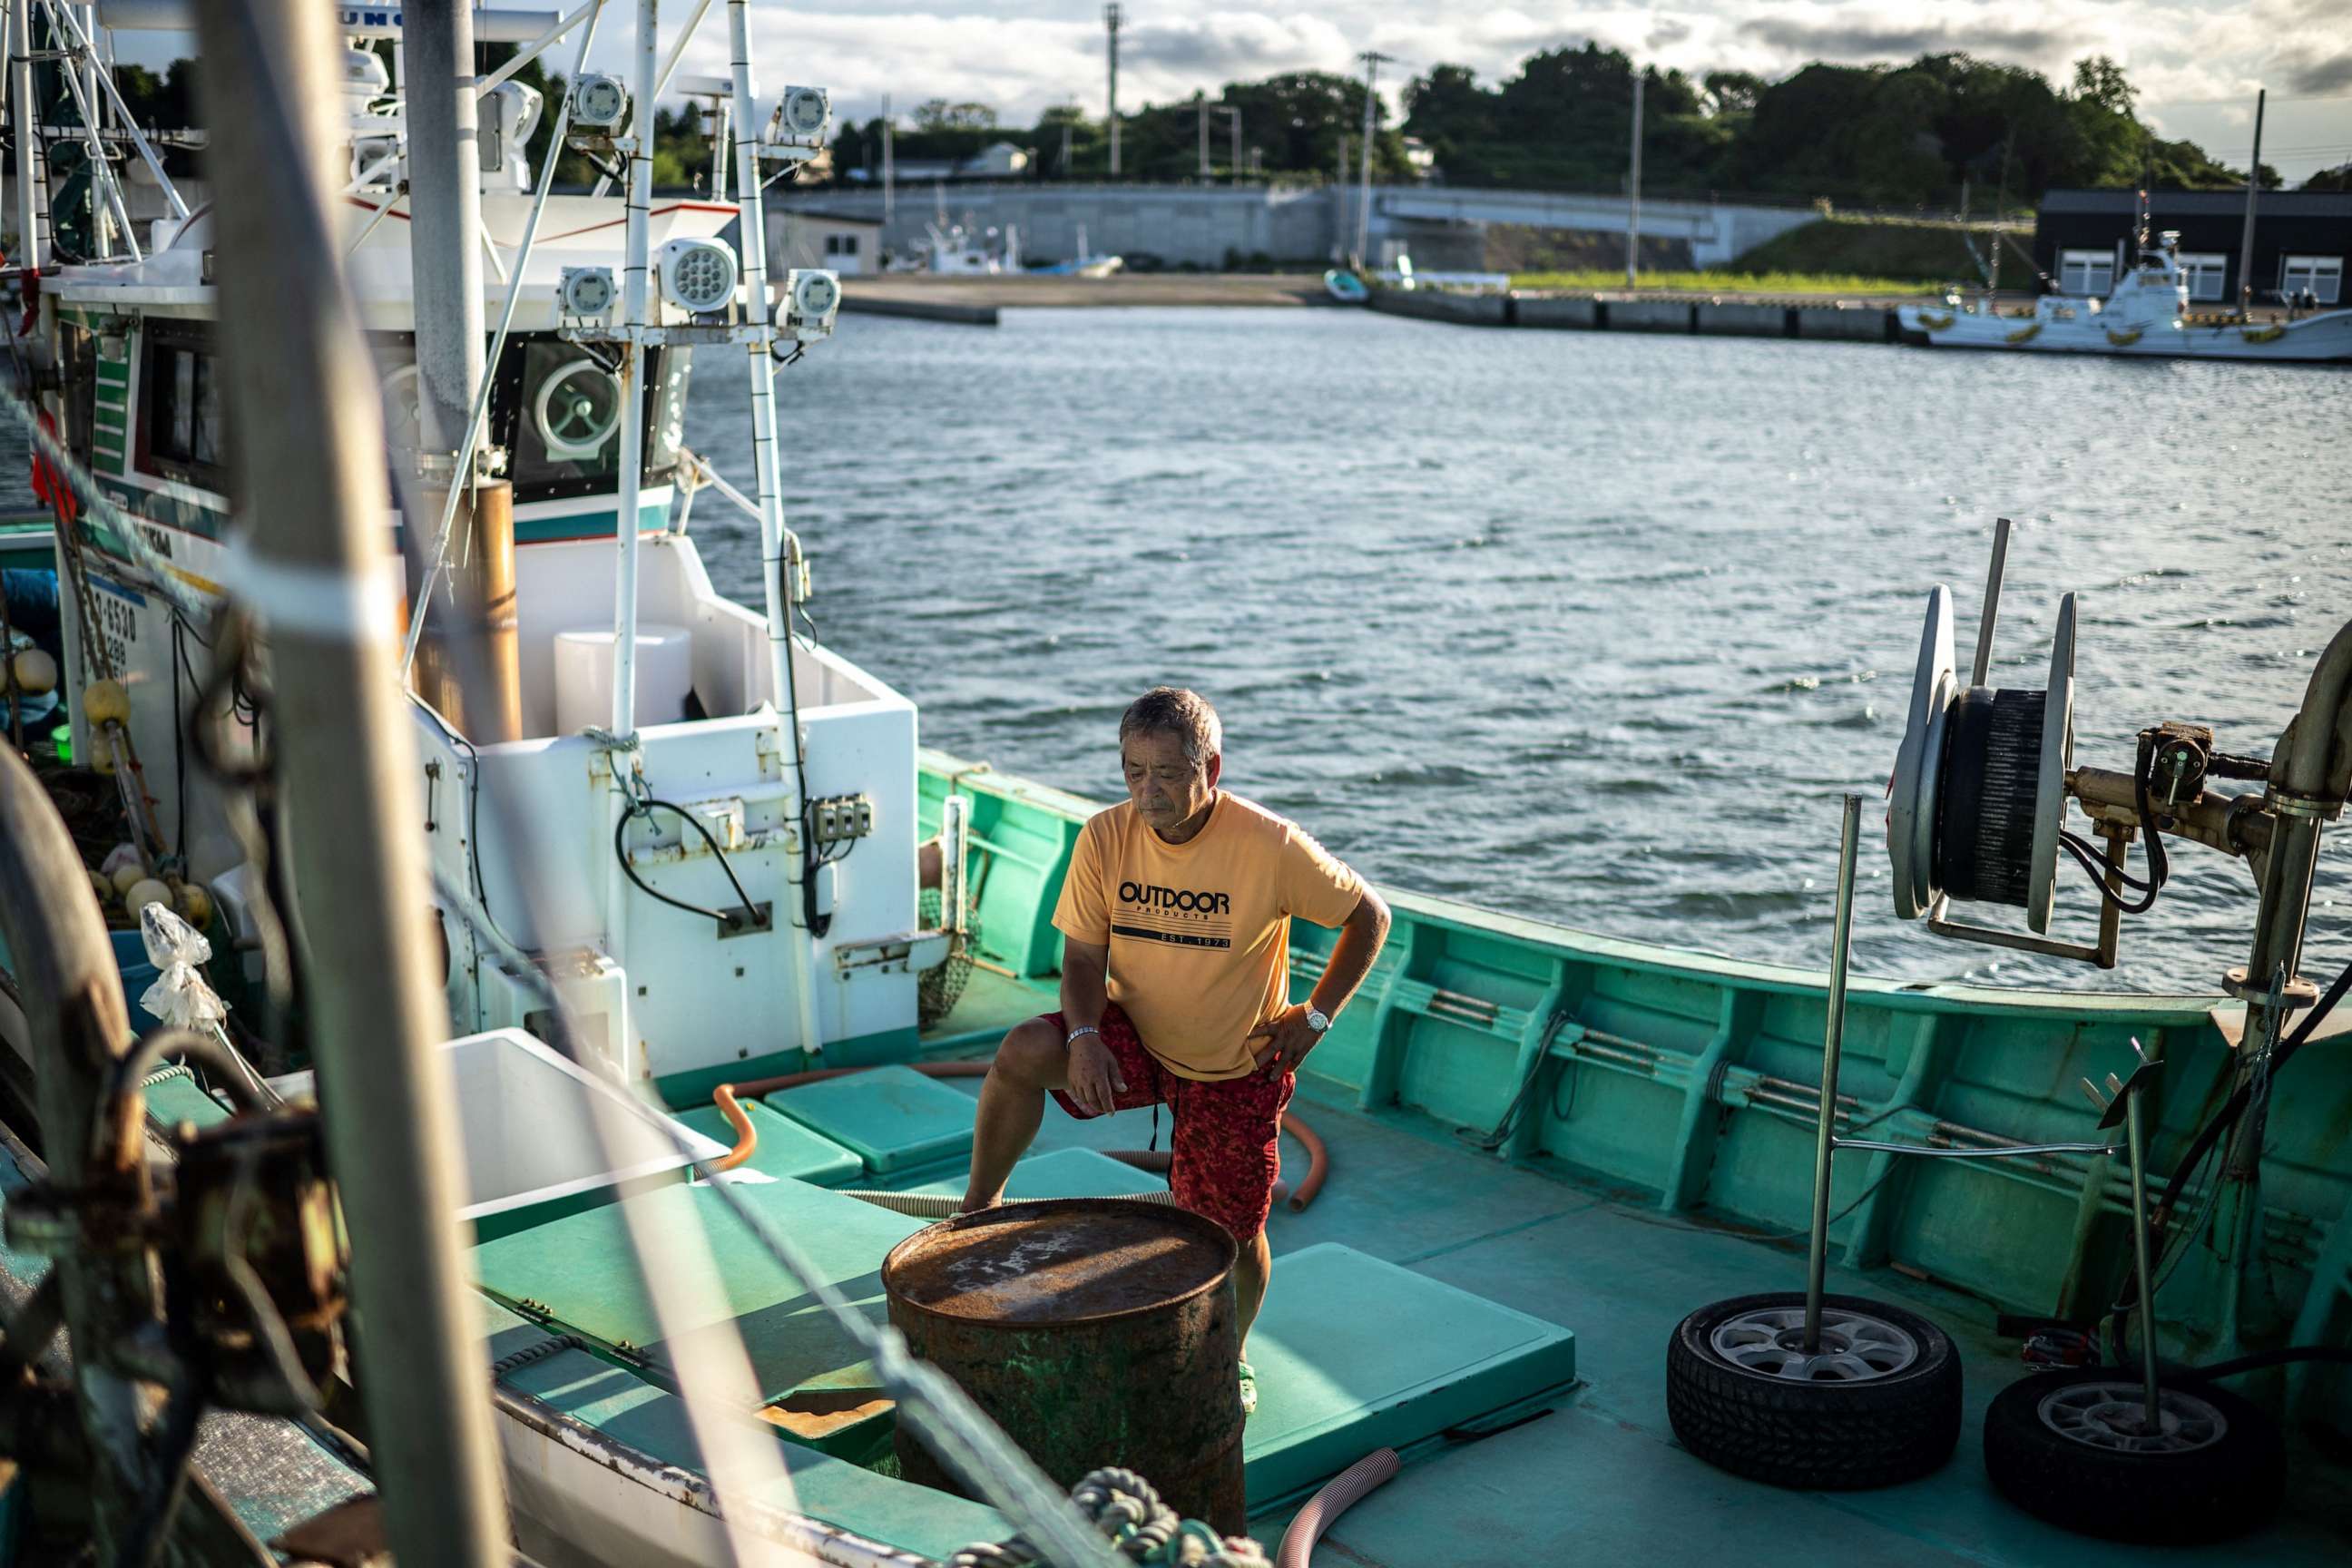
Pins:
x,y
1201,120
2253,184
1372,58
1339,207
1633,189
1110,20
1062,170
312,483
889,166
1233,123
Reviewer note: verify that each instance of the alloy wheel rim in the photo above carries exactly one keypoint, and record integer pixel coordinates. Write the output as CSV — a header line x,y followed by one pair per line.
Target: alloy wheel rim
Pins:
x,y
2112,1417
1853,1346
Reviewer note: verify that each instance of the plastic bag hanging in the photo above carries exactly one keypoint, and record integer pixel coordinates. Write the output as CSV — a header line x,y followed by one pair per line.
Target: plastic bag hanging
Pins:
x,y
179,997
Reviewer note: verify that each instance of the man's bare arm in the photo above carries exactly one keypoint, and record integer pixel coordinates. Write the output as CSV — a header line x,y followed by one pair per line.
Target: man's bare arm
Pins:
x,y
1093,1072
1360,939
1086,974
1285,1039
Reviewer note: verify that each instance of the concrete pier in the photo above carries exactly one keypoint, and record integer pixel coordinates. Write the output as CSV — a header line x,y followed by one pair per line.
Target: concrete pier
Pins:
x,y
1838,321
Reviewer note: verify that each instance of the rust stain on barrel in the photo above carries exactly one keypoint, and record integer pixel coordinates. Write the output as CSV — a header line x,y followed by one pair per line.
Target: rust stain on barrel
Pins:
x,y
1095,1332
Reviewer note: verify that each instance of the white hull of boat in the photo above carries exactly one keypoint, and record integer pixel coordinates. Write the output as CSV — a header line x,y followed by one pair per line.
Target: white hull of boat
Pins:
x,y
2315,340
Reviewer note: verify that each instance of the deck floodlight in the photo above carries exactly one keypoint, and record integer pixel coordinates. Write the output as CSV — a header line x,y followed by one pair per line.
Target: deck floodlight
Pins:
x,y
811,299
586,292
599,105
800,119
697,274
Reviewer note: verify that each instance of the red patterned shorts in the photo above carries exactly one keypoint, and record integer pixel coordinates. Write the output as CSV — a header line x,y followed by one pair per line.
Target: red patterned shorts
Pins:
x,y
1228,1140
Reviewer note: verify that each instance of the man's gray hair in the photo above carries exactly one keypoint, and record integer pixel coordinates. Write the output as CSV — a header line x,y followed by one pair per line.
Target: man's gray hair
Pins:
x,y
1172,710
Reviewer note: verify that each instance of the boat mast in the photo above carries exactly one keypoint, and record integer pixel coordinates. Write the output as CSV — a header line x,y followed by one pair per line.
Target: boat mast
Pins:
x,y
638,198
445,204
20,93
311,444
780,554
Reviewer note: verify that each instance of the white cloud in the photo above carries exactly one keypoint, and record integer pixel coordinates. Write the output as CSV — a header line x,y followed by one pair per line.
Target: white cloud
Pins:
x,y
2197,61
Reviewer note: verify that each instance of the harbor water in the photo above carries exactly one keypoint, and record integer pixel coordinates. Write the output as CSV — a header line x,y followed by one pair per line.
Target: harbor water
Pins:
x,y
1585,627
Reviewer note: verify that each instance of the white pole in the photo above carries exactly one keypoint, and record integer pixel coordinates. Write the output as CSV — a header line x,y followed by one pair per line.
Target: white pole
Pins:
x,y
1634,191
20,96
2253,185
313,461
889,168
1110,20
778,551
634,291
721,130
1372,59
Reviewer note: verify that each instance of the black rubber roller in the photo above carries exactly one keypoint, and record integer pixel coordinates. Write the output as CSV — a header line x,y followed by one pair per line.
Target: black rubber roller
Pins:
x,y
1987,792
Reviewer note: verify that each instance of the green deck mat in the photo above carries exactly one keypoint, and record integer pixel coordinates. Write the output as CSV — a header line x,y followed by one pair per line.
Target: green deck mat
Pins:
x,y
892,1118
652,1420
786,1149
581,1268
1352,1354
1062,1173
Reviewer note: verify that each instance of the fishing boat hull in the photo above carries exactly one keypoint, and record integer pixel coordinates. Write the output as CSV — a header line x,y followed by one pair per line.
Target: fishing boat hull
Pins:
x,y
2315,340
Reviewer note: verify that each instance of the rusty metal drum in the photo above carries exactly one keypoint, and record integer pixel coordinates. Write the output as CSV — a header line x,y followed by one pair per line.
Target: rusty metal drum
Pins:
x,y
1094,1331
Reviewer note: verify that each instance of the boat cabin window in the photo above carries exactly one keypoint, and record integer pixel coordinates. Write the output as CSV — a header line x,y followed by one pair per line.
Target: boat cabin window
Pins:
x,y
2087,271
559,409
2207,273
181,432
2323,275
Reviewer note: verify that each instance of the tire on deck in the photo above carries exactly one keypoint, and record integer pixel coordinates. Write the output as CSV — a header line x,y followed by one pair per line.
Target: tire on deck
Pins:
x,y
2222,1473
1880,1404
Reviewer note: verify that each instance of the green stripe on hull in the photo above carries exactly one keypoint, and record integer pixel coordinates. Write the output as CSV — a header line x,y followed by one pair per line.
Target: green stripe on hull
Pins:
x,y
1692,1080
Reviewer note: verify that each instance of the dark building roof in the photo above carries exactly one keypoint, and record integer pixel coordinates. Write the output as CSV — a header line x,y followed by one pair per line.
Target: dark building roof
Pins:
x,y
2272,204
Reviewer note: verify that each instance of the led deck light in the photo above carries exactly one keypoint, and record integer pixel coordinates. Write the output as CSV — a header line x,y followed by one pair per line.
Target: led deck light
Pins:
x,y
697,274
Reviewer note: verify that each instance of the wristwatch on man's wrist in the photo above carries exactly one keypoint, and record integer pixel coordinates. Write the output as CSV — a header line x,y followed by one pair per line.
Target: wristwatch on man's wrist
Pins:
x,y
1315,1020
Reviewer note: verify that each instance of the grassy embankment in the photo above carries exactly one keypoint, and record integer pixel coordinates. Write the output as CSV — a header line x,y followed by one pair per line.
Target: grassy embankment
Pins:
x,y
1832,256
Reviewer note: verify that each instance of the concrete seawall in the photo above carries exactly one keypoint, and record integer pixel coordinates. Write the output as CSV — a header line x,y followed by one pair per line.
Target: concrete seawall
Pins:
x,y
1835,321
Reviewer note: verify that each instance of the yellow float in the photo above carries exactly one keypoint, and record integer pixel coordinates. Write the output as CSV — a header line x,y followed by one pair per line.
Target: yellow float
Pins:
x,y
106,702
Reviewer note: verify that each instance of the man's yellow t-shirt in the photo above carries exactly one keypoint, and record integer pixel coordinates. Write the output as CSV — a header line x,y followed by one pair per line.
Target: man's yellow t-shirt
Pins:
x,y
1199,932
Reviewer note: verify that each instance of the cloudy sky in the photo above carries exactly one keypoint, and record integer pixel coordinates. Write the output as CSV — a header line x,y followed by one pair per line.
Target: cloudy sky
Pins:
x,y
2197,61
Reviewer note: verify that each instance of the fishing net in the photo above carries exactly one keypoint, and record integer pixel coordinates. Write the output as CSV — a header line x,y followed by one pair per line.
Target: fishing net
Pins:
x,y
938,988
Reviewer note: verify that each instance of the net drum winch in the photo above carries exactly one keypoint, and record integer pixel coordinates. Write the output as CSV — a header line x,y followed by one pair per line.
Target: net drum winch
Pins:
x,y
1817,1391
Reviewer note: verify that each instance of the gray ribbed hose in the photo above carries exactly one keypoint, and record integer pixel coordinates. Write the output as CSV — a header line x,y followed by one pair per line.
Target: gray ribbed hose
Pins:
x,y
1347,1489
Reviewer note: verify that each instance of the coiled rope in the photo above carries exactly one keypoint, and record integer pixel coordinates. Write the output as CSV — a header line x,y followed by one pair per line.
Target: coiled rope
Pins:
x,y
1143,1530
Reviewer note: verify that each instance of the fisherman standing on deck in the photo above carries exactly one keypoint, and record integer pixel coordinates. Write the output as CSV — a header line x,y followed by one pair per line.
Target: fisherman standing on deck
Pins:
x,y
1175,920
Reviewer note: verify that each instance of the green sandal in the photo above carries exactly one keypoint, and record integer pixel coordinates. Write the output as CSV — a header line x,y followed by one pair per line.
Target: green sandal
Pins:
x,y
1249,1392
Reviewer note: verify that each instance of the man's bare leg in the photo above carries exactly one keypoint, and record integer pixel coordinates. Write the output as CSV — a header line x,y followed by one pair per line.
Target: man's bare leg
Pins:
x,y
1012,1104
1249,1283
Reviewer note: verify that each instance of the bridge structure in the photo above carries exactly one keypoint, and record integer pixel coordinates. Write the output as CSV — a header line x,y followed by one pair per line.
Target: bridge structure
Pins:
x,y
1215,225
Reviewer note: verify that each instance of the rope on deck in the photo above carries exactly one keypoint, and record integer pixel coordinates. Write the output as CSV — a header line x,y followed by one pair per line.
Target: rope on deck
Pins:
x,y
1143,1530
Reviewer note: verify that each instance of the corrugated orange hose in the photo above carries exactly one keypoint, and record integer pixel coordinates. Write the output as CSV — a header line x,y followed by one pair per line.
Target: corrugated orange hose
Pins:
x,y
1319,1158
747,1137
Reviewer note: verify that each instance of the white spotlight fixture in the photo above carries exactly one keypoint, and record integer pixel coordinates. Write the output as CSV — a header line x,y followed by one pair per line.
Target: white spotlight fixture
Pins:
x,y
697,274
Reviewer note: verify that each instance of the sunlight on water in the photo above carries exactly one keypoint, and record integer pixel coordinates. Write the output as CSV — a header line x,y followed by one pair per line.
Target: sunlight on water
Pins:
x,y
1591,628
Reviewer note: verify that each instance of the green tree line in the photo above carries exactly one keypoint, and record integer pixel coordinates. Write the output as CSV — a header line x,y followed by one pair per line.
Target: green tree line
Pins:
x,y
1912,135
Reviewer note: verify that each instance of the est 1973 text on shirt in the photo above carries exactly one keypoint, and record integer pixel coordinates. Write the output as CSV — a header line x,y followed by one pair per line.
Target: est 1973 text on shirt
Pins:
x,y
1199,932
